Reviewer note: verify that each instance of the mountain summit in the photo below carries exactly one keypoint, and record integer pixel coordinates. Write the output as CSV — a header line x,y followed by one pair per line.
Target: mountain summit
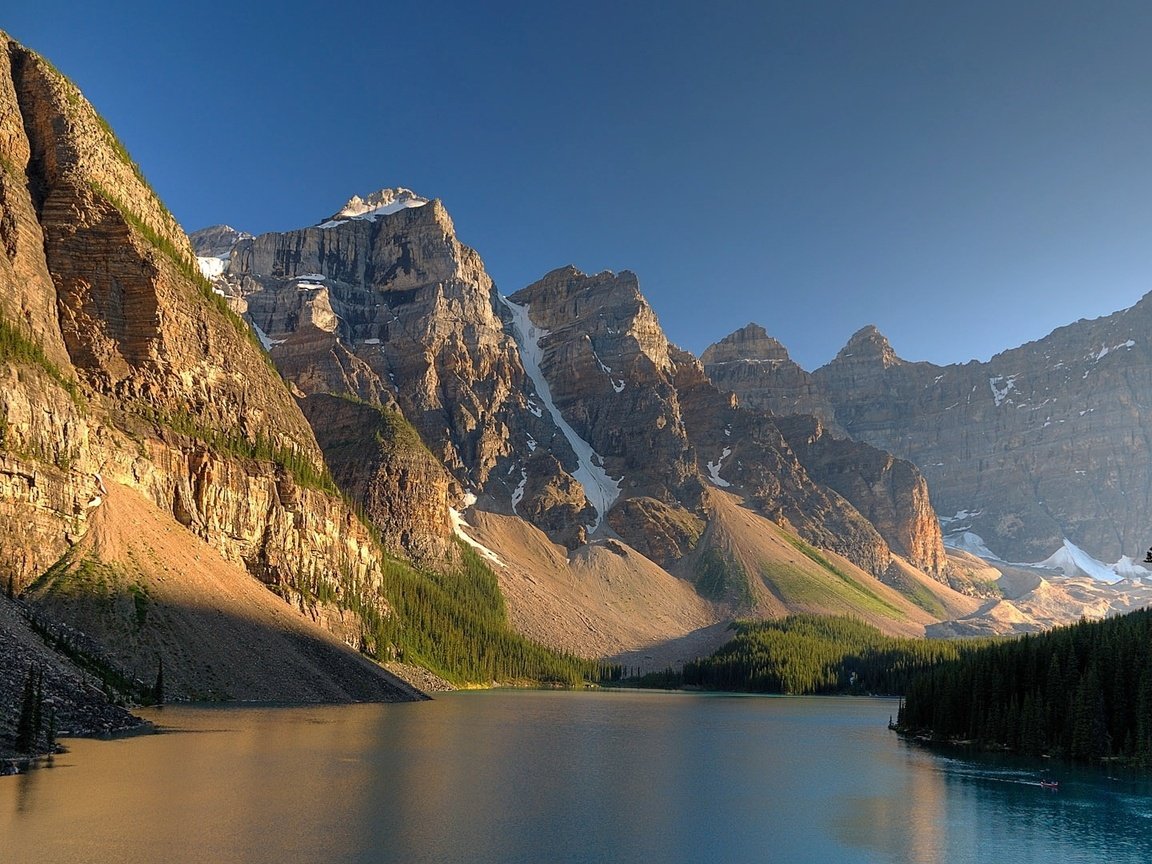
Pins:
x,y
381,203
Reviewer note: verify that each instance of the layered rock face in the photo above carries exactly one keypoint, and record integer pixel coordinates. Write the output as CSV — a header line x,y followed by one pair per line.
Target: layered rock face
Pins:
x,y
753,364
1041,443
383,303
890,493
663,432
120,367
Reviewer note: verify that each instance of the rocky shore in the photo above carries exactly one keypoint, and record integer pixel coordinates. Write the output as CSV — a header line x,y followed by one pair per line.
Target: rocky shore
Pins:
x,y
73,701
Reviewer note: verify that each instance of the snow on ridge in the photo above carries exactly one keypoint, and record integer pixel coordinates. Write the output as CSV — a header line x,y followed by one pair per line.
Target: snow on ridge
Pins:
x,y
382,203
600,489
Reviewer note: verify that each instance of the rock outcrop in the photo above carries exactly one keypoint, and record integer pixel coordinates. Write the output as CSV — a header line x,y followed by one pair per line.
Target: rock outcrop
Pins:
x,y
122,368
1040,444
890,493
756,366
383,303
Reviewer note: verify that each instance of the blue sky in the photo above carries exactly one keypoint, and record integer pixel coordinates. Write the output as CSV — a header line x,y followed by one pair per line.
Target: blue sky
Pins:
x,y
966,176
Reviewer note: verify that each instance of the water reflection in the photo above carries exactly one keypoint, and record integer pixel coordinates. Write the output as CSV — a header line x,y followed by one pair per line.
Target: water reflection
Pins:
x,y
555,777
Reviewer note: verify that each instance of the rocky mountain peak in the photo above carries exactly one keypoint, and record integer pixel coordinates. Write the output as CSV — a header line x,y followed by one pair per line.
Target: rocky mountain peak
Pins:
x,y
868,344
381,203
217,241
749,343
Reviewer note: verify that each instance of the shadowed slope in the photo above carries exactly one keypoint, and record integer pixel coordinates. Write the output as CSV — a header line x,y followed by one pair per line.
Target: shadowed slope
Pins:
x,y
145,590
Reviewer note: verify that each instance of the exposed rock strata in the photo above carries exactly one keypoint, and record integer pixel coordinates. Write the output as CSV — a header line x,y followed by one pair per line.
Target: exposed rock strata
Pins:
x,y
1041,443
125,370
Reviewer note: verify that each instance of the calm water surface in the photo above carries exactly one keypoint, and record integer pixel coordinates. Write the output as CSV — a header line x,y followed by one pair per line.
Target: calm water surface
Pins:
x,y
555,777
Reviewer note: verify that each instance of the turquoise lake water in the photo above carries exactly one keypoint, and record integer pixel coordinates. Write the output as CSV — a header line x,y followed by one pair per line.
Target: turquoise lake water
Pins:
x,y
525,776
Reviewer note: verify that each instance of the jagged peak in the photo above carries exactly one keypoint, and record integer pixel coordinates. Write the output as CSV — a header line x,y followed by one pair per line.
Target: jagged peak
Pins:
x,y
380,203
868,343
750,343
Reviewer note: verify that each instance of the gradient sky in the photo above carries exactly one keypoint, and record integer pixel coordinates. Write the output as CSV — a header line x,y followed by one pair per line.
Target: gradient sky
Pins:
x,y
967,176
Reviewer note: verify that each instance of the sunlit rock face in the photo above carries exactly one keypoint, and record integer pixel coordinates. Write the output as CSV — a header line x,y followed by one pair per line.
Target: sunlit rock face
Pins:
x,y
1042,443
124,372
382,303
753,364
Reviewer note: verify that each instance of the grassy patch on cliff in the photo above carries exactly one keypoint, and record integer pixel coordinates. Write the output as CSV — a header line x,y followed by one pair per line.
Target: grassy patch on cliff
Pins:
x,y
798,587
233,442
18,346
720,577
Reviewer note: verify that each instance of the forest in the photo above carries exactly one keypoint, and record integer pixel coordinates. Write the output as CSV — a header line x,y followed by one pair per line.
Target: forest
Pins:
x,y
1082,692
810,654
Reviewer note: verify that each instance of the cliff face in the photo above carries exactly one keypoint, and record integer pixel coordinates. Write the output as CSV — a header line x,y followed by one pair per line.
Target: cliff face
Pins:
x,y
890,493
663,432
1042,443
757,367
382,302
122,369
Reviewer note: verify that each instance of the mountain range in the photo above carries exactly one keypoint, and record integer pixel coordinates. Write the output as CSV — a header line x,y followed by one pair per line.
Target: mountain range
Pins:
x,y
263,463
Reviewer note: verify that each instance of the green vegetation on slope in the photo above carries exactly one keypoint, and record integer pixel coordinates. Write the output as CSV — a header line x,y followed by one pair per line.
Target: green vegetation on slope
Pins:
x,y
233,442
17,346
1082,692
811,654
456,625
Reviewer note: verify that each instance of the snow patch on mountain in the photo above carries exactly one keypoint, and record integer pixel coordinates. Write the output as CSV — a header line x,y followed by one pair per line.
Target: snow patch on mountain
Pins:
x,y
213,267
382,203
714,469
1001,386
600,489
518,492
460,529
969,541
1071,560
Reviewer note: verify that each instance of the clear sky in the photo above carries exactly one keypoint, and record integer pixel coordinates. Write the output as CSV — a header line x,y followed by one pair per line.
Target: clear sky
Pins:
x,y
965,175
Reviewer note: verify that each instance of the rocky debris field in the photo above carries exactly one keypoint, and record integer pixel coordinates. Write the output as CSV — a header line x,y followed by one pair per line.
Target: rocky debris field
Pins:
x,y
76,698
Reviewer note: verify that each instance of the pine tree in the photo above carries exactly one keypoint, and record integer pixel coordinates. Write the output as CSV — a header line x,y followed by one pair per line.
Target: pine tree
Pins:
x,y
26,731
158,687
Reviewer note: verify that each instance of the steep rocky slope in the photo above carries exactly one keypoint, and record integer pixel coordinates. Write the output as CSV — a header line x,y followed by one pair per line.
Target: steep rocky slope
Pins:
x,y
121,368
563,404
1043,443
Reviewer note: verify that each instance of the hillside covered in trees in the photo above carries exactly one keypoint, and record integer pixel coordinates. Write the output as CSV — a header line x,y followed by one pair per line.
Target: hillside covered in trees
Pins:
x,y
1081,692
810,654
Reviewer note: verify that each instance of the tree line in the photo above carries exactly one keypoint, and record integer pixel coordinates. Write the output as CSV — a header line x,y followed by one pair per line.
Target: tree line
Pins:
x,y
1081,692
810,654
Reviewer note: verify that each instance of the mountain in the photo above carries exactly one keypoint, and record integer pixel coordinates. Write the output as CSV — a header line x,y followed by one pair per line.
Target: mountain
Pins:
x,y
564,406
156,475
1042,446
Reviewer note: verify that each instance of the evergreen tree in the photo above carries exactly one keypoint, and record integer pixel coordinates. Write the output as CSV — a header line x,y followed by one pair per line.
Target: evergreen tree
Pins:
x,y
27,724
158,687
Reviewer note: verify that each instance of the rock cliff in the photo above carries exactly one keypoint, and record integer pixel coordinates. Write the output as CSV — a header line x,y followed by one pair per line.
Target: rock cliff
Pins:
x,y
1041,444
121,368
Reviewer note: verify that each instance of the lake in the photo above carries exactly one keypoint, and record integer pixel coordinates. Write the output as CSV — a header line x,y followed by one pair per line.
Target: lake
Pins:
x,y
543,777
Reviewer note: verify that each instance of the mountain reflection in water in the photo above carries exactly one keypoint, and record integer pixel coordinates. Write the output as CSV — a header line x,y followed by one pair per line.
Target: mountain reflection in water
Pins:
x,y
555,777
